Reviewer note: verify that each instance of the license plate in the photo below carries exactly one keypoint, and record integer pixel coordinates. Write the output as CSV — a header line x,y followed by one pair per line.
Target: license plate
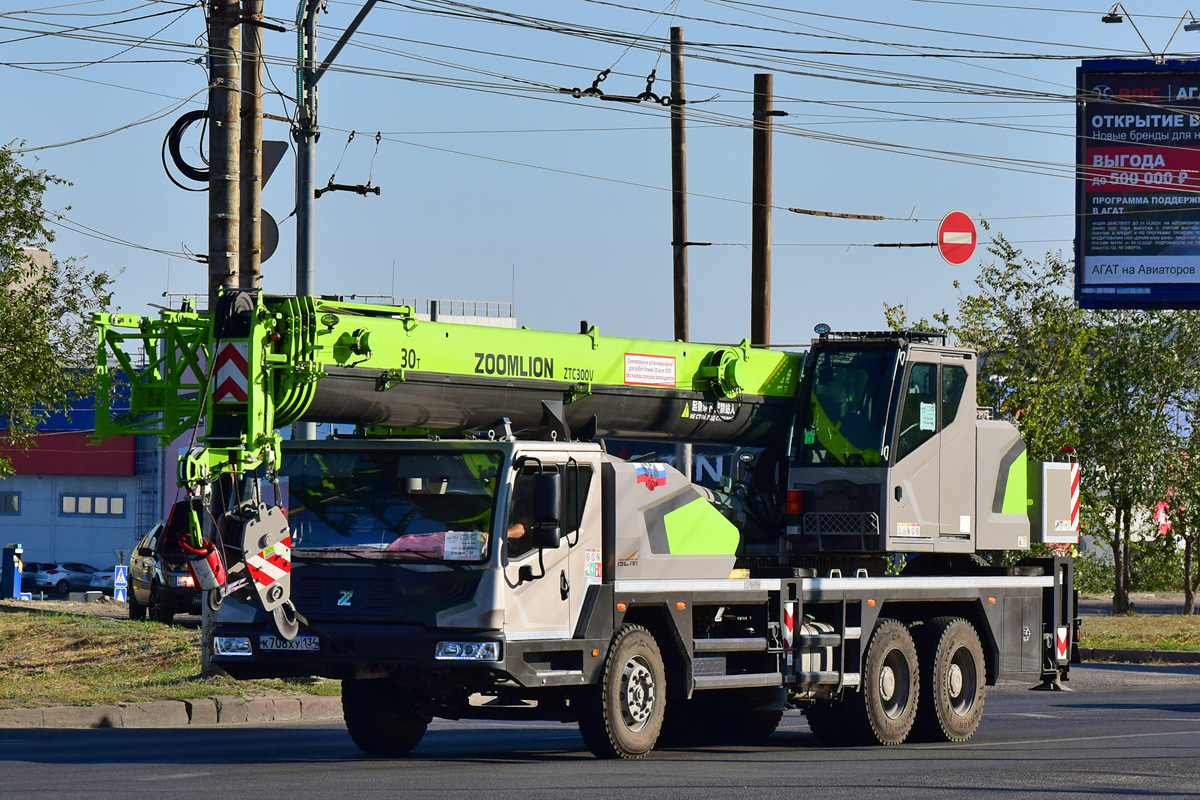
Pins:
x,y
304,644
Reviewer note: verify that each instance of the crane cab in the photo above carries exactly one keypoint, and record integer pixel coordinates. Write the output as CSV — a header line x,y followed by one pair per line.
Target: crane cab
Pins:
x,y
890,454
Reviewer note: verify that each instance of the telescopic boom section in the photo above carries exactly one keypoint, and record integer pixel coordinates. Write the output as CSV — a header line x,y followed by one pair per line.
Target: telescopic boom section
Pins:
x,y
270,361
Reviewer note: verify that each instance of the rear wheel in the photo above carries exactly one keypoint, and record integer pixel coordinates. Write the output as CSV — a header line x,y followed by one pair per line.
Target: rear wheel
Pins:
x,y
382,717
160,608
623,716
952,680
890,684
62,587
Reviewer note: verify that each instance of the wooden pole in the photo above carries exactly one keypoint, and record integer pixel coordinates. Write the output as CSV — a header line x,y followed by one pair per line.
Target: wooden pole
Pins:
x,y
760,227
679,187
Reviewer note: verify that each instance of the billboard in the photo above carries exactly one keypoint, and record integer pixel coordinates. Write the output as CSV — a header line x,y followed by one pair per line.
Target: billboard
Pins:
x,y
1137,202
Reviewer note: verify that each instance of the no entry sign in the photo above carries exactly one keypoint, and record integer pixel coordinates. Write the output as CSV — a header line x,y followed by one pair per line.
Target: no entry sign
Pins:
x,y
956,238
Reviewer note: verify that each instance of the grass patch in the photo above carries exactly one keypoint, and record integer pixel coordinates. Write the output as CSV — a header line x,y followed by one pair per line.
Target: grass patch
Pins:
x,y
1142,632
62,659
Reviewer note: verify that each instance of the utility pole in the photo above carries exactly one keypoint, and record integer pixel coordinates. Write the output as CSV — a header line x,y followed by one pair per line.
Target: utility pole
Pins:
x,y
679,187
306,133
224,139
683,451
760,223
250,271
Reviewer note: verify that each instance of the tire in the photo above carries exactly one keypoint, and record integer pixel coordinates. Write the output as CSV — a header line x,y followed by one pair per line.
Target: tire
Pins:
x,y
623,716
953,678
62,587
890,685
159,608
137,611
381,717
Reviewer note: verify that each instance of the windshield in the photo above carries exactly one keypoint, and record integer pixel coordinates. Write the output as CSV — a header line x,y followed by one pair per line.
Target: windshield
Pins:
x,y
845,419
391,504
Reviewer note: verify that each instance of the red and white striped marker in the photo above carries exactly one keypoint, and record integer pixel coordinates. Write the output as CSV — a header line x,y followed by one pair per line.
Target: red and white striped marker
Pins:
x,y
1075,497
271,564
789,624
231,383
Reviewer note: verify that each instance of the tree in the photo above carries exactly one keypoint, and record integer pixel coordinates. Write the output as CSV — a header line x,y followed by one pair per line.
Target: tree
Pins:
x,y
47,351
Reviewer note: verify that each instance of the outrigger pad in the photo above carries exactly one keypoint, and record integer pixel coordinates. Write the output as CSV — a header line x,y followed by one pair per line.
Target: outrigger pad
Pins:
x,y
267,544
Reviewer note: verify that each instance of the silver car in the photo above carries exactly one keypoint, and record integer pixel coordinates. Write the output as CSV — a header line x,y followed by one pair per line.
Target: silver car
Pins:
x,y
64,576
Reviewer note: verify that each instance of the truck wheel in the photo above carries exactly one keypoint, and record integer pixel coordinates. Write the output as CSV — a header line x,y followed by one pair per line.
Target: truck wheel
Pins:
x,y
381,717
136,610
622,717
890,684
952,680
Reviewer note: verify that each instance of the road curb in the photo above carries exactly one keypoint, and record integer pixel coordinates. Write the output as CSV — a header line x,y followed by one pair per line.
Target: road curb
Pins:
x,y
222,710
1095,654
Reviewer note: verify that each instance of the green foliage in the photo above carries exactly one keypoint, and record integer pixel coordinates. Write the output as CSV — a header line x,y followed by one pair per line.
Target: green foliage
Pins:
x,y
46,341
1093,571
1157,565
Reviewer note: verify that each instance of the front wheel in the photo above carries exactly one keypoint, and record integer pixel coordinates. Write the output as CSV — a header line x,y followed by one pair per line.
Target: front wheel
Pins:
x,y
890,684
382,717
623,716
952,680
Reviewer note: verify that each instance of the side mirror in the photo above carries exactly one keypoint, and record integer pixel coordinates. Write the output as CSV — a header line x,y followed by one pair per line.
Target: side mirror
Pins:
x,y
547,491
547,538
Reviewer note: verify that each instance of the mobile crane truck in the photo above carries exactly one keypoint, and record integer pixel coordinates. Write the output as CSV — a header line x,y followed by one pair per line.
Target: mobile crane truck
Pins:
x,y
472,551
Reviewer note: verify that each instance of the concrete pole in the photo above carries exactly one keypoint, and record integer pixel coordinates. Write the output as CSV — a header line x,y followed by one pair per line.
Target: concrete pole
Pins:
x,y
224,139
249,275
679,187
760,223
306,134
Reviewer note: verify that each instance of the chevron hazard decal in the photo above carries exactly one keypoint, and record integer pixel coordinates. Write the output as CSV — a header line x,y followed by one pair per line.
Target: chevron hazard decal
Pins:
x,y
231,383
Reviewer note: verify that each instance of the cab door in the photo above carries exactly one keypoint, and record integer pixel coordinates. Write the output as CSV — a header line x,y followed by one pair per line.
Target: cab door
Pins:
x,y
916,475
957,411
548,606
537,607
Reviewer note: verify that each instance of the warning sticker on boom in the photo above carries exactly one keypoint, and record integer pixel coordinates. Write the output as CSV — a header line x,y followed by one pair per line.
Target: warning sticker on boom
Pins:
x,y
644,370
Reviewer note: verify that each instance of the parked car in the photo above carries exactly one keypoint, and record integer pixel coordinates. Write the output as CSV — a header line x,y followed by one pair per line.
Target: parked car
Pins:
x,y
64,576
160,585
102,581
29,575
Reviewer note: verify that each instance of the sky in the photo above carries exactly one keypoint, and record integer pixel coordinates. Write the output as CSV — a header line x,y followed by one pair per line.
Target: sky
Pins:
x,y
495,185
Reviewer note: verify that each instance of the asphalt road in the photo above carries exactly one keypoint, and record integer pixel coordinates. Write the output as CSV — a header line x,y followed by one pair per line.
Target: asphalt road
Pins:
x,y
1123,732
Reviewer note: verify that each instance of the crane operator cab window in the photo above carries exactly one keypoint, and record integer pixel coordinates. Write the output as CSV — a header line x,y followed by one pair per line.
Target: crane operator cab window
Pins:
x,y
919,418
844,420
